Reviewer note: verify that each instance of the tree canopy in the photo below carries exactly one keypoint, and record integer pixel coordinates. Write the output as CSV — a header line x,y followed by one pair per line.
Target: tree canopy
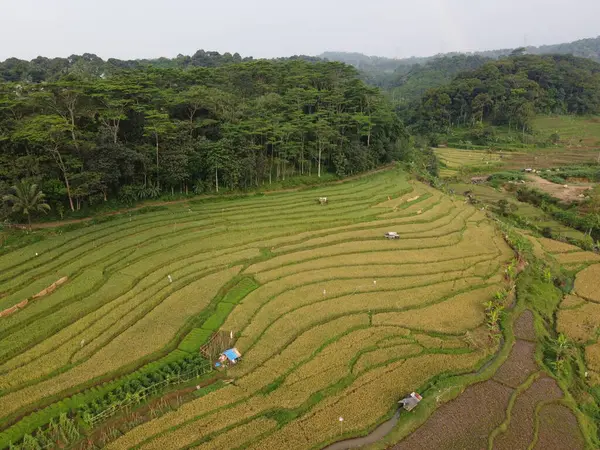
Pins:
x,y
140,131
510,92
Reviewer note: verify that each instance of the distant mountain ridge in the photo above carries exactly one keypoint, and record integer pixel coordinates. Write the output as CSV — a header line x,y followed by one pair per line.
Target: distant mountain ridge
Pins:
x,y
406,80
586,48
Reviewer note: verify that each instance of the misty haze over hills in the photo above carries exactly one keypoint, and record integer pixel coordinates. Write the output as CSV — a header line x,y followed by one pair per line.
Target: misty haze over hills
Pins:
x,y
14,69
585,48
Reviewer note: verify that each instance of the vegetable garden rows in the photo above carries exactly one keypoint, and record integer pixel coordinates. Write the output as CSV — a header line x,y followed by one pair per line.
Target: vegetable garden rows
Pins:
x,y
332,319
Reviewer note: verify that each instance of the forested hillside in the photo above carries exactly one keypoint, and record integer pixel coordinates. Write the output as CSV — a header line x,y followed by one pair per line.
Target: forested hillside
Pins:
x,y
407,79
510,92
410,86
136,133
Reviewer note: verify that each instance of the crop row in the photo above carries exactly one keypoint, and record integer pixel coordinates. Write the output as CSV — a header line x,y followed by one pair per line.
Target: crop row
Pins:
x,y
138,234
119,299
364,402
341,290
147,336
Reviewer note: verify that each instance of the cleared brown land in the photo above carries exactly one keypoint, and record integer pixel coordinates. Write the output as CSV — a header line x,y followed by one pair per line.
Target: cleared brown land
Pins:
x,y
464,423
519,365
568,194
558,429
523,327
547,158
520,431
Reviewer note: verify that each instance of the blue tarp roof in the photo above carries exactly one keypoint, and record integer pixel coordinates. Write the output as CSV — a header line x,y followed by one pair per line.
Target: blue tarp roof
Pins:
x,y
232,354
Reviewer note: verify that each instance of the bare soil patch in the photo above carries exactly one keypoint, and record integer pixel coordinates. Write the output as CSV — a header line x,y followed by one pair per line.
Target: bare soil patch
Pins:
x,y
519,365
521,428
568,194
558,429
463,423
523,327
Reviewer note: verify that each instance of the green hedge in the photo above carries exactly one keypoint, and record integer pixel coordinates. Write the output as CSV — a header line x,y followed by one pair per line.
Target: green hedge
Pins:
x,y
30,423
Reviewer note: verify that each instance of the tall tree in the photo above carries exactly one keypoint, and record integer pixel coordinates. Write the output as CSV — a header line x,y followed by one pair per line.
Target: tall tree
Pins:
x,y
27,200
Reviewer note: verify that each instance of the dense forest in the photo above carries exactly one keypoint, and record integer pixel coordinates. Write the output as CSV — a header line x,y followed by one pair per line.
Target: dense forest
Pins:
x,y
510,92
90,66
410,86
137,132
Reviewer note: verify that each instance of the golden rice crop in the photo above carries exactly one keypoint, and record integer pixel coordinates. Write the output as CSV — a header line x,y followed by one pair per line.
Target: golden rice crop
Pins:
x,y
98,327
148,335
576,257
307,294
365,401
382,355
538,250
475,242
197,429
586,283
288,326
592,356
581,323
404,337
203,405
353,247
428,210
239,435
114,286
455,315
337,356
328,367
413,196
244,311
449,224
298,351
552,246
296,340
571,301
436,342
415,221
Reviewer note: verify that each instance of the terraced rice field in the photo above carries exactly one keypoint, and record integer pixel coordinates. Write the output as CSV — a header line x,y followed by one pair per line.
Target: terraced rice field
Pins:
x,y
331,318
578,318
535,216
516,409
454,159
578,314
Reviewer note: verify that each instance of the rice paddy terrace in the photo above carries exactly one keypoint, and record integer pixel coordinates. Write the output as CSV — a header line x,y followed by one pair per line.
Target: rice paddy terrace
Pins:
x,y
332,319
455,160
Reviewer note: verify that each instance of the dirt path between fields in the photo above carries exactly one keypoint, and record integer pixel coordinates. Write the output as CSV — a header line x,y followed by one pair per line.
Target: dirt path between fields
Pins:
x,y
569,194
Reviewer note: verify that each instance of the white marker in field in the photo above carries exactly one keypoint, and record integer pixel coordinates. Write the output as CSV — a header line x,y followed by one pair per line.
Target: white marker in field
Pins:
x,y
375,282
36,254
170,279
324,292
341,419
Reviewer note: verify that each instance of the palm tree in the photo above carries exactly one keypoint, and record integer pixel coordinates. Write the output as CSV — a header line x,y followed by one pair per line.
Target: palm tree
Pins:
x,y
27,199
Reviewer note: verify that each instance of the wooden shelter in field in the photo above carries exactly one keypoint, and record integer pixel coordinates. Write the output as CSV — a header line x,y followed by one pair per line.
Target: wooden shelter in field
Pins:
x,y
410,402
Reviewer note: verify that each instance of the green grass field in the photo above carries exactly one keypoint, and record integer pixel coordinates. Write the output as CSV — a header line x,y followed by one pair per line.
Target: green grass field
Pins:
x,y
313,295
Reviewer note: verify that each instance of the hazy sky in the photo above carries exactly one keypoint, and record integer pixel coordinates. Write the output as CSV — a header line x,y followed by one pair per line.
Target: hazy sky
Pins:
x,y
129,29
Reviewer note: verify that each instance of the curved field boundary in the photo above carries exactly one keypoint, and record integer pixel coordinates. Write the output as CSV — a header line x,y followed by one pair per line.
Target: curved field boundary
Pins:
x,y
295,367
